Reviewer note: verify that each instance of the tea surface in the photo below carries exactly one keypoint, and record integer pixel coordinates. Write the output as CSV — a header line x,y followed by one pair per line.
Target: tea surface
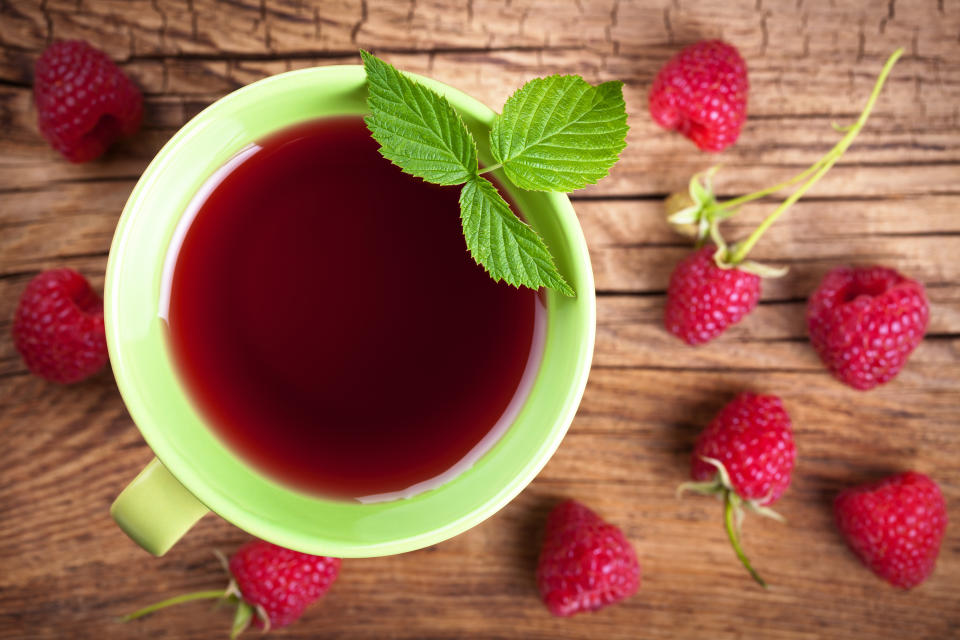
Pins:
x,y
331,326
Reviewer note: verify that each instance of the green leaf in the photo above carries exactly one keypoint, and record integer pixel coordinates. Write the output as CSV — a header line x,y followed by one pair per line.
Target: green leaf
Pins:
x,y
416,127
241,620
506,247
559,133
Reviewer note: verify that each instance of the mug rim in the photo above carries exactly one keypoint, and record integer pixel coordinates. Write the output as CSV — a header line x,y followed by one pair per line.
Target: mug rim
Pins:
x,y
133,375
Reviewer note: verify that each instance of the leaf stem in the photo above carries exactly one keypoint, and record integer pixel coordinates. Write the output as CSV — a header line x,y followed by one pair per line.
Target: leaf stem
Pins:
x,y
729,511
186,597
825,163
492,167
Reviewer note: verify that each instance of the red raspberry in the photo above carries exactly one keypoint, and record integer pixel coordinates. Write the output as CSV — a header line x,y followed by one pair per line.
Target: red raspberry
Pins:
x,y
271,586
895,526
282,581
585,563
84,101
702,93
745,455
58,327
703,299
752,438
865,322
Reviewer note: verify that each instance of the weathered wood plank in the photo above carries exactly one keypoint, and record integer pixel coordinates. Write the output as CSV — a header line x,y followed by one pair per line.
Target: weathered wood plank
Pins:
x,y
801,82
627,27
606,222
625,452
633,252
67,571
630,334
901,151
633,248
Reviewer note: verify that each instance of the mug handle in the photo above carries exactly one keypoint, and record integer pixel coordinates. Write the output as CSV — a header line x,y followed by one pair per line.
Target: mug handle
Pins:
x,y
155,510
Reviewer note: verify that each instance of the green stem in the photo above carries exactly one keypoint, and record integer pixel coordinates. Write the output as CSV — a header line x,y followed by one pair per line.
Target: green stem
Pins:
x,y
756,195
728,521
493,167
187,597
822,166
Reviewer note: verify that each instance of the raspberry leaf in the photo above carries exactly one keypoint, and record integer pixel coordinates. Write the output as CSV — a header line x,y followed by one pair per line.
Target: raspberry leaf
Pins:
x,y
575,143
506,247
417,128
560,133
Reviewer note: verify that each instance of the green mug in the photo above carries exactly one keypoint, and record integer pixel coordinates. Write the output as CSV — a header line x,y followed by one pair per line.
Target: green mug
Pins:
x,y
193,471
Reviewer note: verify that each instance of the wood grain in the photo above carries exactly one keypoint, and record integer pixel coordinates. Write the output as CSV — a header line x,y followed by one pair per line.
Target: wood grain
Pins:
x,y
67,572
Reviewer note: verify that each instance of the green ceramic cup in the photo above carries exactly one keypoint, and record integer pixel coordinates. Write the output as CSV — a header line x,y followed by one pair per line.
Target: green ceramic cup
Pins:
x,y
194,471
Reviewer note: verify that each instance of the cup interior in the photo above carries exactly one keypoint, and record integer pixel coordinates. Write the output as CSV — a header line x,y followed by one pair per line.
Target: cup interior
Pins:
x,y
161,408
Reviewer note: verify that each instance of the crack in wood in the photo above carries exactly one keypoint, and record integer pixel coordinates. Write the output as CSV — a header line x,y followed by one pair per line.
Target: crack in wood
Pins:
x,y
891,13
522,24
614,293
708,369
359,24
861,44
601,197
68,181
765,34
678,244
48,20
163,22
194,21
608,30
12,275
311,54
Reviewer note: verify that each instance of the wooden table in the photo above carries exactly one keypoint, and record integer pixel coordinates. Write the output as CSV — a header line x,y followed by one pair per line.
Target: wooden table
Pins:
x,y
66,571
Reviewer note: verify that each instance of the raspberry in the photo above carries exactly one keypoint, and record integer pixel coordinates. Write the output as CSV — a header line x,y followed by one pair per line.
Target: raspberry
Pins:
x,y
58,327
702,93
585,563
271,586
745,456
703,299
865,322
895,526
282,581
84,101
753,439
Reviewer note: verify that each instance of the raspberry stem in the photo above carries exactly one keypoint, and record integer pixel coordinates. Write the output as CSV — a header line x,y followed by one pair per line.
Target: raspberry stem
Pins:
x,y
821,167
186,597
492,167
730,509
756,195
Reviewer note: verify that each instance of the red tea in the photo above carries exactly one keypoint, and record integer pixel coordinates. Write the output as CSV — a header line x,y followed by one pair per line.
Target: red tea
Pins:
x,y
330,325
